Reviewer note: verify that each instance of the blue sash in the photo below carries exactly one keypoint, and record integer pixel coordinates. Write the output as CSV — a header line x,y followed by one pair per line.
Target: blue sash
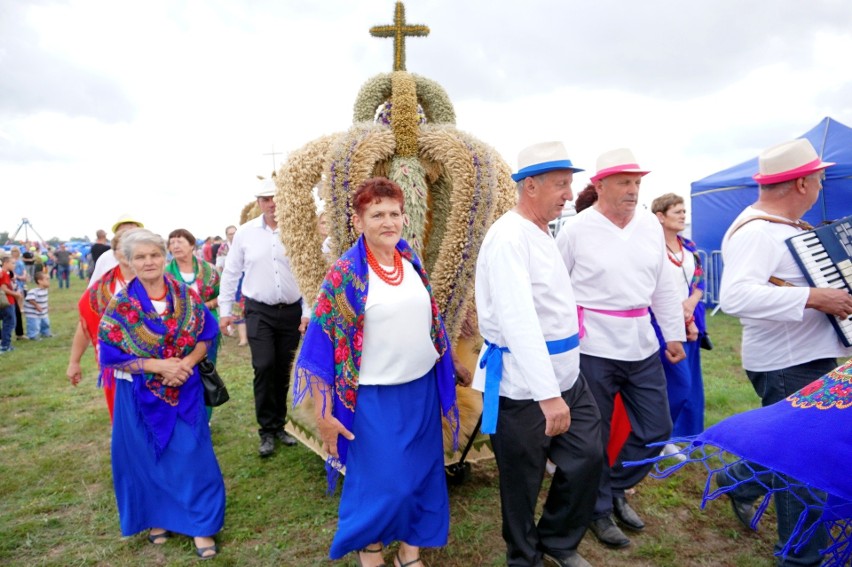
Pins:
x,y
492,361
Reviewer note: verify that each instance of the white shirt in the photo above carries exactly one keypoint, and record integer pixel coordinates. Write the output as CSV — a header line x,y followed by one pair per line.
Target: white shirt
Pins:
x,y
257,250
105,263
523,299
682,274
778,331
619,269
397,344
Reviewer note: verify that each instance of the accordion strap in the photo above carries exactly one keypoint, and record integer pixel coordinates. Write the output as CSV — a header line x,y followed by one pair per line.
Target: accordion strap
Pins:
x,y
800,224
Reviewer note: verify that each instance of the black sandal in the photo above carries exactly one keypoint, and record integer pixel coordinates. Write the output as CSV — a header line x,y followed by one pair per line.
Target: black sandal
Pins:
x,y
160,538
401,564
368,550
200,551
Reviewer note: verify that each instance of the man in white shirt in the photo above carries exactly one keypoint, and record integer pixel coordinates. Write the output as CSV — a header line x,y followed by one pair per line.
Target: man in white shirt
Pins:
x,y
531,376
275,314
615,256
788,342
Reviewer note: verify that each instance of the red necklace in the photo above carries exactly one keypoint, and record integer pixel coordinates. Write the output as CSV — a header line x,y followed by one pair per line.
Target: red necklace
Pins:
x,y
672,257
162,297
393,277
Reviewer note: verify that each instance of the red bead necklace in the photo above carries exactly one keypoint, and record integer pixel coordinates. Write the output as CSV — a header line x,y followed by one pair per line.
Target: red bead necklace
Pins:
x,y
674,259
162,297
393,277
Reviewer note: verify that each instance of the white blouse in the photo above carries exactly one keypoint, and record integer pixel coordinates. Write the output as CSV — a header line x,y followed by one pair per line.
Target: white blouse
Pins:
x,y
397,344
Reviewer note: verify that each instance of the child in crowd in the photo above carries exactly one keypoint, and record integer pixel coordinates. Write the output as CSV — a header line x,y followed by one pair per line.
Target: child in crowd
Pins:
x,y
35,309
7,312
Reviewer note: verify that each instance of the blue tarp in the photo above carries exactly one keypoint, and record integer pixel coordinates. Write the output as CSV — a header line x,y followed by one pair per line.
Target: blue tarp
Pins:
x,y
719,198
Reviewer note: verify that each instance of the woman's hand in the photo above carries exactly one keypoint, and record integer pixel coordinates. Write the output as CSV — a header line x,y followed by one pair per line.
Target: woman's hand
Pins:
x,y
692,332
74,373
329,429
173,371
463,375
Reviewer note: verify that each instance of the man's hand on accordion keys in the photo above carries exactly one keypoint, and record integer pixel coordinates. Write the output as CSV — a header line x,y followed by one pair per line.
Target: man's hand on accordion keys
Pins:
x,y
837,302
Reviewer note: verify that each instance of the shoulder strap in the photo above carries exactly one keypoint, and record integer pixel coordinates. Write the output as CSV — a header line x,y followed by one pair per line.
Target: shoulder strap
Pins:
x,y
800,224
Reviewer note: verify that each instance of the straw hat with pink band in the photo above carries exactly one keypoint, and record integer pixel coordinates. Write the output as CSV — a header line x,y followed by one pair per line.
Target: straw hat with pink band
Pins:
x,y
787,161
621,160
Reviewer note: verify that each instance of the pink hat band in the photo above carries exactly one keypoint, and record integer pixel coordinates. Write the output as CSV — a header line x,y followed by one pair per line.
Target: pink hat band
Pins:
x,y
801,171
621,168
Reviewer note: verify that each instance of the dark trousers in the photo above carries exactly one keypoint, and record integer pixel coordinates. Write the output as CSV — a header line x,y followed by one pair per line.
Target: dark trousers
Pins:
x,y
62,274
273,336
521,449
772,387
642,384
19,321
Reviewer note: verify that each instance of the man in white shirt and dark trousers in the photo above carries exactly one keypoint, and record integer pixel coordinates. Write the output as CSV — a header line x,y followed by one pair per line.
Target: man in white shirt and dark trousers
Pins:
x,y
788,342
531,376
275,314
615,256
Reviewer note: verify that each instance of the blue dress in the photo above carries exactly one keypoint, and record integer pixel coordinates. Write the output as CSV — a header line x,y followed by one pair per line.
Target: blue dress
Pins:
x,y
395,487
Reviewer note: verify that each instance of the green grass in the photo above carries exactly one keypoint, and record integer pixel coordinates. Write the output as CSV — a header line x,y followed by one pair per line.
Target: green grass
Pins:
x,y
57,506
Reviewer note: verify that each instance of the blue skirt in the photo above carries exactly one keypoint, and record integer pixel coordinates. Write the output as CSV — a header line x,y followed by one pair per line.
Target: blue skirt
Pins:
x,y
685,386
395,487
182,491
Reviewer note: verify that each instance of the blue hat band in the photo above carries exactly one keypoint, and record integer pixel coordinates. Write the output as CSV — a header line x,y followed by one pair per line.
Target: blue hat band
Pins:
x,y
544,167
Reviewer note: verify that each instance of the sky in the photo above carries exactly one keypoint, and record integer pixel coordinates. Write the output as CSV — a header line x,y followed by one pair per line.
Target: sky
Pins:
x,y
168,109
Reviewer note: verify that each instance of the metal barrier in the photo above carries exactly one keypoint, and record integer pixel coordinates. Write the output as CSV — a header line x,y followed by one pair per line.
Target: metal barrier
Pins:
x,y
713,266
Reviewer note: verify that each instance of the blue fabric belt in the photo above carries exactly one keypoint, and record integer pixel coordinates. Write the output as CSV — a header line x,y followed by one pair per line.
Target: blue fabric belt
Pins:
x,y
492,361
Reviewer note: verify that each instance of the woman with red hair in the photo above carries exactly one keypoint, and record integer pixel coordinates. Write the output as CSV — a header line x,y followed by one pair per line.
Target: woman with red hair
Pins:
x,y
376,342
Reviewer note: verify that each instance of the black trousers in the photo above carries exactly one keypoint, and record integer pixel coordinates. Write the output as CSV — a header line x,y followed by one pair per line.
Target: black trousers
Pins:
x,y
19,322
521,449
273,336
642,384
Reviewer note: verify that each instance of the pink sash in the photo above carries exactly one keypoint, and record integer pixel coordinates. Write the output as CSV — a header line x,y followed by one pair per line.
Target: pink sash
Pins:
x,y
628,313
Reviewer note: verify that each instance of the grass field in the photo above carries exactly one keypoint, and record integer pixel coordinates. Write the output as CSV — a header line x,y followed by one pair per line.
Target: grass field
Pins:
x,y
57,506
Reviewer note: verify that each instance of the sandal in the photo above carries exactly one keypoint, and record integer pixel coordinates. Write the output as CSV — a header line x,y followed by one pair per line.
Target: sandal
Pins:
x,y
397,558
160,538
367,550
200,551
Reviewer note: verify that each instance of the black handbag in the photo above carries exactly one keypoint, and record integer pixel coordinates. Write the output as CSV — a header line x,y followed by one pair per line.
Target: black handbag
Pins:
x,y
705,342
215,392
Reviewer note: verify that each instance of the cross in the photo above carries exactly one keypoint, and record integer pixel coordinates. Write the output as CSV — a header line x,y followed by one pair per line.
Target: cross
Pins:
x,y
273,154
398,31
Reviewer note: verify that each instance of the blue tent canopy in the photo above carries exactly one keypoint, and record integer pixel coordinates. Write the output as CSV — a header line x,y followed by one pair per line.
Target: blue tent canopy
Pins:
x,y
719,198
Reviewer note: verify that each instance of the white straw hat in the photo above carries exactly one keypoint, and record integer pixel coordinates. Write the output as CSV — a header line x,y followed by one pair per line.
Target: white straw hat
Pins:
x,y
541,158
786,161
621,160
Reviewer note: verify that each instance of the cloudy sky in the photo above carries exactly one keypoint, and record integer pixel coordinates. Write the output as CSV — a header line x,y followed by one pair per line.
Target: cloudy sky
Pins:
x,y
166,108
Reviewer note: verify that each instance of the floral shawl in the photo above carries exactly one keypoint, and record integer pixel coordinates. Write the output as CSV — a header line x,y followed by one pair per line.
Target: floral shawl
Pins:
x,y
131,329
331,351
207,276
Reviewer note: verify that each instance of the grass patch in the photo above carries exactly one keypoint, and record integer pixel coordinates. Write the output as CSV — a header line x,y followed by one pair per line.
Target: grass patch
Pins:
x,y
57,506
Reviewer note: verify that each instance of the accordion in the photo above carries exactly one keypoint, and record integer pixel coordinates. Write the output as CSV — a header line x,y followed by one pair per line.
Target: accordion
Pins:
x,y
824,255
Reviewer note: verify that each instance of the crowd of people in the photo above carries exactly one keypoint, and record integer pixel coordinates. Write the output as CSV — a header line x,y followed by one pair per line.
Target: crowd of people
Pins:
x,y
591,356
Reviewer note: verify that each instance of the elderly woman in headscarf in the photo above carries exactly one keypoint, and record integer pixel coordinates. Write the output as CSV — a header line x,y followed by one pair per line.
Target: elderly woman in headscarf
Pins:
x,y
377,362
153,334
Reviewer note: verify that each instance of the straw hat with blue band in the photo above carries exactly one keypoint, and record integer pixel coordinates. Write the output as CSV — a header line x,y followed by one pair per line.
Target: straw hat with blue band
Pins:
x,y
541,158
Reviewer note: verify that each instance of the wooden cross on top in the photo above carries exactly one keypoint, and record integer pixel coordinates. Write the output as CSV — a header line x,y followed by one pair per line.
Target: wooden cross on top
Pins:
x,y
398,31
